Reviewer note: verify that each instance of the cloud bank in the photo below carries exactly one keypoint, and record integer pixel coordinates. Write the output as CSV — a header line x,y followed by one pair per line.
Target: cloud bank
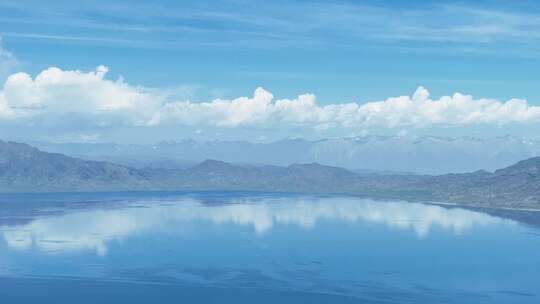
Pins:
x,y
58,96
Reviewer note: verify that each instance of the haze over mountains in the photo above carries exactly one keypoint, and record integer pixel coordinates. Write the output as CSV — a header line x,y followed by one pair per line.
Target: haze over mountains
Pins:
x,y
24,168
394,154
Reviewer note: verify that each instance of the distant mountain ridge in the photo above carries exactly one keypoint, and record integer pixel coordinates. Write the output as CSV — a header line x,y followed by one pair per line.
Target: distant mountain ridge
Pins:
x,y
389,154
24,168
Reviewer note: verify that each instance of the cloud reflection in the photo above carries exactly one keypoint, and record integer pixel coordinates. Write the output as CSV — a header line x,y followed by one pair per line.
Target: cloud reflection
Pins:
x,y
94,229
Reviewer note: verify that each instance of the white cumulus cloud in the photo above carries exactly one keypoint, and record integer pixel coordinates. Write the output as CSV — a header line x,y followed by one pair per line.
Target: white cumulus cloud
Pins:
x,y
60,96
55,93
417,110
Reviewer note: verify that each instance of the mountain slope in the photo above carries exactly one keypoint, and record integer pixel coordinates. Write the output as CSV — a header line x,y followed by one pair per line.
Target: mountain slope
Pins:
x,y
27,169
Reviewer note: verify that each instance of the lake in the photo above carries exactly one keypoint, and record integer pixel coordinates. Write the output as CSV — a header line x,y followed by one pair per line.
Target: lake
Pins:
x,y
241,247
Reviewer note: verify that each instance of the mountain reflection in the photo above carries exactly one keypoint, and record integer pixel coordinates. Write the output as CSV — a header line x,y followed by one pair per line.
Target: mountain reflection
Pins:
x,y
92,229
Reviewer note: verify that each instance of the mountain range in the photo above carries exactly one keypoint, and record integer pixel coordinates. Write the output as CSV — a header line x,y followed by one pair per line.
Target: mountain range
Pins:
x,y
24,168
365,154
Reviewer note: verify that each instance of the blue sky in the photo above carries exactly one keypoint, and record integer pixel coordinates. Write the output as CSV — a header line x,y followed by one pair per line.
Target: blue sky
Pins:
x,y
341,51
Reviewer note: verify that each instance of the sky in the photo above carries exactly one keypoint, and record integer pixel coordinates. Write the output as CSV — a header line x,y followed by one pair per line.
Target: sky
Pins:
x,y
141,71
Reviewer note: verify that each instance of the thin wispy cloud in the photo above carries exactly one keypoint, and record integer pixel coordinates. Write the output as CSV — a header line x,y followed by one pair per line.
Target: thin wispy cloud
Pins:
x,y
8,62
298,25
68,38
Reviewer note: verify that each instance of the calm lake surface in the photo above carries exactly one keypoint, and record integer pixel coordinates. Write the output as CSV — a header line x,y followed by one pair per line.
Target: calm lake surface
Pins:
x,y
236,247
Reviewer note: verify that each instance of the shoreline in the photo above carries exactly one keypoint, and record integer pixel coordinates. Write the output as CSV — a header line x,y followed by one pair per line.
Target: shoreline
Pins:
x,y
481,207
261,192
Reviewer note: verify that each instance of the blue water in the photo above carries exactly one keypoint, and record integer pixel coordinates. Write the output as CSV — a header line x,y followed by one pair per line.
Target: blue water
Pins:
x,y
260,248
